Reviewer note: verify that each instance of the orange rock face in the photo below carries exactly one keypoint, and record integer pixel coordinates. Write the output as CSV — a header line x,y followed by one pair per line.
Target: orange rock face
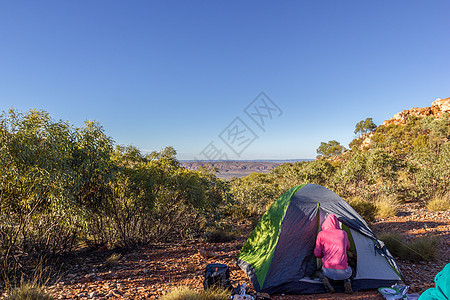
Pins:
x,y
438,107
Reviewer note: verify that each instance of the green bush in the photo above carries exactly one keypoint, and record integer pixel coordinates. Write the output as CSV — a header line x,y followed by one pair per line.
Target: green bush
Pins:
x,y
433,169
252,195
365,208
61,186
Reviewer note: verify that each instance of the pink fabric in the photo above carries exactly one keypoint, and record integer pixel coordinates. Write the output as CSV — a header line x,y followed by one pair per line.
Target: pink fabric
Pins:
x,y
332,244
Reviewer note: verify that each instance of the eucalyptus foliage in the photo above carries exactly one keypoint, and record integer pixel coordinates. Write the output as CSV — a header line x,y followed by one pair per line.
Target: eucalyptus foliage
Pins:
x,y
62,187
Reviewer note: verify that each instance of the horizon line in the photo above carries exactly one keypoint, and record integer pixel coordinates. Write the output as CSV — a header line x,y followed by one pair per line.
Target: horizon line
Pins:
x,y
248,160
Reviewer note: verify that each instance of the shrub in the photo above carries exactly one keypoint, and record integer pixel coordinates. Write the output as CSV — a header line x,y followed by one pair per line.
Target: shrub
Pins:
x,y
185,293
252,194
439,202
421,249
386,207
27,292
363,207
394,242
433,172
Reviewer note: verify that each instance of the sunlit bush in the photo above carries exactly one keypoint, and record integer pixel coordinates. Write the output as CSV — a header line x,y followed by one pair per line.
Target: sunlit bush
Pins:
x,y
385,206
365,208
439,202
252,194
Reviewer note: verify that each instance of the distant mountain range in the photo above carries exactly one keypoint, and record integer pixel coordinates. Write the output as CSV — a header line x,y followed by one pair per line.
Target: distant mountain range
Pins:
x,y
238,168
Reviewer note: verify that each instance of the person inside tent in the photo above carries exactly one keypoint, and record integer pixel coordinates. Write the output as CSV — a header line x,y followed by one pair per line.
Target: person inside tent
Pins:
x,y
331,246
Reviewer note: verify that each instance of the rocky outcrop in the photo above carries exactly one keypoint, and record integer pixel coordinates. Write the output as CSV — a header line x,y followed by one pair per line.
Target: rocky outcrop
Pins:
x,y
438,107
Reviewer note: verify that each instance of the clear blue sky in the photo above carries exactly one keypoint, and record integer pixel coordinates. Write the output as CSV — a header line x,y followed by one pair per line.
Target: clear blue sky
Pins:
x,y
179,73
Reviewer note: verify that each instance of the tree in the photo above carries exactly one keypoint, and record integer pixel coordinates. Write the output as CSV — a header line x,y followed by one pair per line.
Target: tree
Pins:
x,y
332,148
365,126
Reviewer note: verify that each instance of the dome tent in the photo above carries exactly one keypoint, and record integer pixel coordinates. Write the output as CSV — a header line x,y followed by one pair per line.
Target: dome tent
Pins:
x,y
279,257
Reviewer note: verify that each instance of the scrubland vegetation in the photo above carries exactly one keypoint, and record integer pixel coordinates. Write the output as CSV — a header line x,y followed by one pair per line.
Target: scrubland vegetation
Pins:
x,y
63,188
402,163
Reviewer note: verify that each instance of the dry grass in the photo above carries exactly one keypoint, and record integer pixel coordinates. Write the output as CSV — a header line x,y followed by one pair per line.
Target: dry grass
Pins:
x,y
420,249
439,202
27,291
32,288
185,293
393,241
113,259
385,207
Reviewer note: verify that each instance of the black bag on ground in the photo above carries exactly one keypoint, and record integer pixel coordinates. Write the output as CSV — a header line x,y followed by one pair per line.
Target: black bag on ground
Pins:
x,y
217,275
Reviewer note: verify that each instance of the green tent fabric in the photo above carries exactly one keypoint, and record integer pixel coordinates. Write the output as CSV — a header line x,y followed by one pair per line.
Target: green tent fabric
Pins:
x,y
259,249
279,257
442,286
